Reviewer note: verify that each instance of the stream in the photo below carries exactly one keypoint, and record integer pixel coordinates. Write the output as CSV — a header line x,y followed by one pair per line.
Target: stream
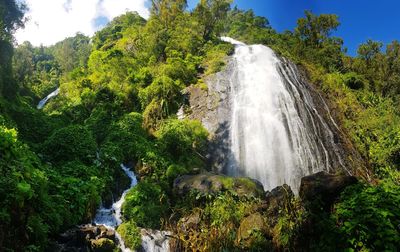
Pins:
x,y
111,217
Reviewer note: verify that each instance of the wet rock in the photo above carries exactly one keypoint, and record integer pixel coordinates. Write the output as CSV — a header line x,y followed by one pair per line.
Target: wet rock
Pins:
x,y
86,238
106,233
211,183
102,245
155,240
324,187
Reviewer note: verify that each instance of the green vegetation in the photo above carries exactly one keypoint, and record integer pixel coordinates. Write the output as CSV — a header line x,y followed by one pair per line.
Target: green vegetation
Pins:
x,y
120,92
131,234
369,217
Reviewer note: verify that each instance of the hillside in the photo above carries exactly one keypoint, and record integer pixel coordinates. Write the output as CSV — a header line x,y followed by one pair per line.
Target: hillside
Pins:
x,y
119,95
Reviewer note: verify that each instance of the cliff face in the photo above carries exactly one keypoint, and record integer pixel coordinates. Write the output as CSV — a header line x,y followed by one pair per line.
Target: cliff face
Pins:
x,y
212,106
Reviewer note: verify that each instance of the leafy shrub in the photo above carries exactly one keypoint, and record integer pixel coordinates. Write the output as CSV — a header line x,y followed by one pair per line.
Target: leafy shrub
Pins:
x,y
215,58
71,143
23,195
369,217
165,90
128,135
173,171
146,204
184,140
130,233
354,81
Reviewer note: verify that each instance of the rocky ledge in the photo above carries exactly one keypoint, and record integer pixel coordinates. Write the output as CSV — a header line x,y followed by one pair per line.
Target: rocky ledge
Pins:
x,y
211,183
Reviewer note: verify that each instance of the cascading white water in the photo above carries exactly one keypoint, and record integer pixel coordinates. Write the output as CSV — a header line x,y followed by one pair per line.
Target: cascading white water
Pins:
x,y
111,217
275,130
47,98
152,240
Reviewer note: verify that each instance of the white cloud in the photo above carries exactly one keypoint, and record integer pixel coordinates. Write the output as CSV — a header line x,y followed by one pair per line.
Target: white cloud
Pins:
x,y
53,20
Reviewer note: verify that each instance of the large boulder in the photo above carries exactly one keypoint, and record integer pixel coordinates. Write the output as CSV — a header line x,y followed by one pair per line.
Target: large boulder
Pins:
x,y
324,187
211,183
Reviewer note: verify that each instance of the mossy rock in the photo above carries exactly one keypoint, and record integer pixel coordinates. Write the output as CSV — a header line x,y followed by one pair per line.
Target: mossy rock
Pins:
x,y
210,183
253,233
102,245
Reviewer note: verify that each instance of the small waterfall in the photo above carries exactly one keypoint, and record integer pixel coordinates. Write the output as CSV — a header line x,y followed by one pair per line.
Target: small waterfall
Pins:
x,y
111,217
47,98
276,134
152,240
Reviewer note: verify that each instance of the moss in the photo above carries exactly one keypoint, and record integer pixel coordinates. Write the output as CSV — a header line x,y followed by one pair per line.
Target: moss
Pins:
x,y
201,84
227,182
130,233
215,59
252,233
103,245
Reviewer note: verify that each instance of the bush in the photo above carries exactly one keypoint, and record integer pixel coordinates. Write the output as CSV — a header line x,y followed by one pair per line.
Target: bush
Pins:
x,y
184,140
369,217
71,143
173,171
129,137
354,81
146,204
23,195
130,233
216,57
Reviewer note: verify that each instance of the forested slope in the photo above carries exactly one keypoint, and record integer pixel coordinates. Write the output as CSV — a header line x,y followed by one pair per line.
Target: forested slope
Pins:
x,y
119,94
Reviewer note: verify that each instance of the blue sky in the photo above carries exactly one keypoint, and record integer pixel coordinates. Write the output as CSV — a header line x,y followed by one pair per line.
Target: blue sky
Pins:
x,y
360,19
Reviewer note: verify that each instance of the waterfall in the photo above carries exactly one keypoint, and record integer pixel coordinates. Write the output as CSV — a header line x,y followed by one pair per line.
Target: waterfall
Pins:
x,y
276,134
47,98
111,217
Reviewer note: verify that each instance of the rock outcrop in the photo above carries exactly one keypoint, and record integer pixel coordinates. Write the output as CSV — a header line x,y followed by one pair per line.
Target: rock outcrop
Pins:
x,y
211,183
211,105
324,187
97,238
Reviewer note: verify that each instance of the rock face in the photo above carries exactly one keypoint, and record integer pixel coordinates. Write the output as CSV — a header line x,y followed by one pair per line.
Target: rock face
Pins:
x,y
212,106
155,240
323,186
211,183
87,238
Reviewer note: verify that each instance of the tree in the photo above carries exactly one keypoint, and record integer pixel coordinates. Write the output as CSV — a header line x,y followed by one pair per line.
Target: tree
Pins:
x,y
369,50
315,30
246,26
23,61
72,52
11,18
211,13
168,10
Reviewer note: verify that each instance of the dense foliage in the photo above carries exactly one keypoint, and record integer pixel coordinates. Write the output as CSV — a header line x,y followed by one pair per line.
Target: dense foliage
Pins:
x,y
119,94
